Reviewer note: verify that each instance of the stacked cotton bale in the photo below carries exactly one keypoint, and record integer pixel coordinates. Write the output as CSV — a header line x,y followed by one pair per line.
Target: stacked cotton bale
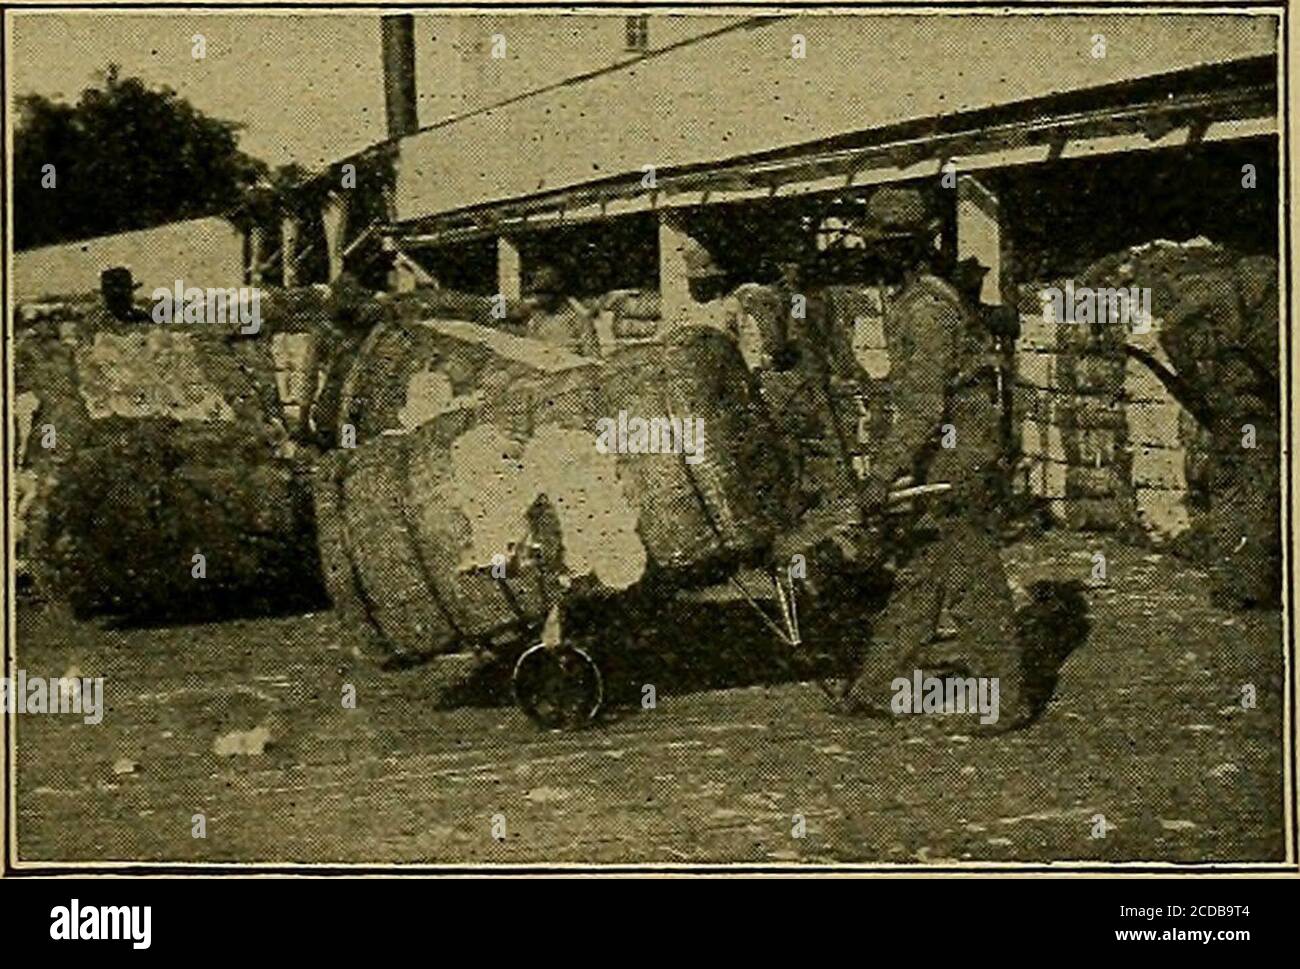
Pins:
x,y
50,423
1160,432
160,484
302,337
379,337
401,376
1216,343
405,373
315,333
1069,411
1178,414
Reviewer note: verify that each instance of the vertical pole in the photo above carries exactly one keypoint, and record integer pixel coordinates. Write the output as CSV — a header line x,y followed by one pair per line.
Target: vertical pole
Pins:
x,y
288,250
335,215
509,268
674,291
397,44
256,248
979,233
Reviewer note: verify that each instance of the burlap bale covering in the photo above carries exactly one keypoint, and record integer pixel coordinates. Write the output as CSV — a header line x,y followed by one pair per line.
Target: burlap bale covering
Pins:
x,y
340,575
472,525
167,441
406,371
316,334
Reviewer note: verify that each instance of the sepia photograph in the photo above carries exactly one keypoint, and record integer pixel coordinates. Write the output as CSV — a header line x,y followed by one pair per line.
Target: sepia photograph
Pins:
x,y
680,439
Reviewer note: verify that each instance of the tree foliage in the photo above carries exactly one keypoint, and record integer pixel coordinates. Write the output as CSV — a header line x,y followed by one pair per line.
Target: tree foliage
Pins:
x,y
125,156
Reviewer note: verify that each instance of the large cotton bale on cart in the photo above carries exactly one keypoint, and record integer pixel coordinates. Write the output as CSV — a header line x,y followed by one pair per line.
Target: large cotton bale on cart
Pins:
x,y
168,490
477,525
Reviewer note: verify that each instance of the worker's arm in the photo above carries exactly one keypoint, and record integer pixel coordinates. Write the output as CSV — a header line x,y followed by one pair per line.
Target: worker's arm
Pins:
x,y
918,385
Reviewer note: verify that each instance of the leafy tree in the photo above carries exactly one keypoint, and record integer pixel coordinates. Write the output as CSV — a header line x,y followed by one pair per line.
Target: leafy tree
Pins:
x,y
126,156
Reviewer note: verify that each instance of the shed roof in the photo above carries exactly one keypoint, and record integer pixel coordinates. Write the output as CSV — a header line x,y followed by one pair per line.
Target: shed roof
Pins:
x,y
740,92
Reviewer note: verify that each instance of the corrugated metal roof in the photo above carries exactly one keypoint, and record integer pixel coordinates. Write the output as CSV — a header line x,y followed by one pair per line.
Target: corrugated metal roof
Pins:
x,y
742,93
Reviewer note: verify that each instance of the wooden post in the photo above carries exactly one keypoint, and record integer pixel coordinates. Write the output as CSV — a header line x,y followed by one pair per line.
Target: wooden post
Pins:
x,y
289,249
509,268
674,288
335,215
256,248
979,233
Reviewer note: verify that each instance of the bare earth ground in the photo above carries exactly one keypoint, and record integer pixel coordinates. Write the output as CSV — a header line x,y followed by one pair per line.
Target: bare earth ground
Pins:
x,y
1147,730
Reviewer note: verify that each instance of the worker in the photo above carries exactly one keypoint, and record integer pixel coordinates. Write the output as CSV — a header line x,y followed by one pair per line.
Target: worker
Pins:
x,y
806,413
559,319
117,289
947,429
715,303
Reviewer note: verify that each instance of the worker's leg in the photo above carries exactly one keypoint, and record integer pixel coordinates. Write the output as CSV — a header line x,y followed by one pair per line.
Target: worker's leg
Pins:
x,y
901,631
978,597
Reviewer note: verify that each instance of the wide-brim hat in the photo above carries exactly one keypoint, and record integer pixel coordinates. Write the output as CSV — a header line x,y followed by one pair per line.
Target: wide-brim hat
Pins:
x,y
972,265
548,280
894,209
118,277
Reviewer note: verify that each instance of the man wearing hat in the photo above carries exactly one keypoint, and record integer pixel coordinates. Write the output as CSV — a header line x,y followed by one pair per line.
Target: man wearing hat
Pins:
x,y
947,428
559,319
714,303
117,289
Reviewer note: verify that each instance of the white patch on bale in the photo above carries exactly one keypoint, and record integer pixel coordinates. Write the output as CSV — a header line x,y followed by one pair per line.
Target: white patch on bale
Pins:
x,y
495,481
153,373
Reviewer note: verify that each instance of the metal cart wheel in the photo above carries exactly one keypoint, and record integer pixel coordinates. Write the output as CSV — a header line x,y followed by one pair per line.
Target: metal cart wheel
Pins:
x,y
558,687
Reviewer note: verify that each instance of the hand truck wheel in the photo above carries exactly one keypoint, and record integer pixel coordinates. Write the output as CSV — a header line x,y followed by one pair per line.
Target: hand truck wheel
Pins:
x,y
558,687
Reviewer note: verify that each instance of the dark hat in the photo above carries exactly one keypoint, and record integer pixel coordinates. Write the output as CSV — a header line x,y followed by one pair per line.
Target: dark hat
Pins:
x,y
896,209
117,278
547,280
972,266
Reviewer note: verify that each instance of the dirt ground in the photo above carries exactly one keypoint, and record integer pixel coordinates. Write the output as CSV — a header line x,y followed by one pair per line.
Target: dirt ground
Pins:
x,y
1148,730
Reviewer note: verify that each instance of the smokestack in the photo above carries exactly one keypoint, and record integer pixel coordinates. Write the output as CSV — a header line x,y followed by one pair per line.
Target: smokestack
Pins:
x,y
397,41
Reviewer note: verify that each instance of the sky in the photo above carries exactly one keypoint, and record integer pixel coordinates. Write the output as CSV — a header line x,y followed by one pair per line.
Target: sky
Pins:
x,y
309,89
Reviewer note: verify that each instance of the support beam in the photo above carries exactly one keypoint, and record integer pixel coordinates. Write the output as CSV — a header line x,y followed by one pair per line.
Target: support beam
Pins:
x,y
335,217
289,232
256,247
979,233
674,281
509,268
